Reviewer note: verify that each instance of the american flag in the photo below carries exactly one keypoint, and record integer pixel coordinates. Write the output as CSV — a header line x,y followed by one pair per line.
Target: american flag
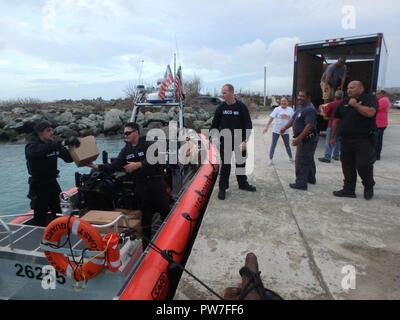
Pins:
x,y
178,85
168,80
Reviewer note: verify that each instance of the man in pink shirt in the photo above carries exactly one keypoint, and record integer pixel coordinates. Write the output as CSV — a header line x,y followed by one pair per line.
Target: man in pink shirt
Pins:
x,y
381,119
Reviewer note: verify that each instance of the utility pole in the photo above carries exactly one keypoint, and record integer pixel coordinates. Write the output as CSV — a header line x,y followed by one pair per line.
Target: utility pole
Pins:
x,y
265,87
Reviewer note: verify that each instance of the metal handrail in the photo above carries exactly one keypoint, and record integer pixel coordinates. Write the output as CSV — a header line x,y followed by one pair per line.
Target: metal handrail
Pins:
x,y
70,252
113,223
16,215
5,225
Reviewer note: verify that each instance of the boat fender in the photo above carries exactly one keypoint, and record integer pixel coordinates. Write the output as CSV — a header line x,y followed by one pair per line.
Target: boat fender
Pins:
x,y
65,226
113,256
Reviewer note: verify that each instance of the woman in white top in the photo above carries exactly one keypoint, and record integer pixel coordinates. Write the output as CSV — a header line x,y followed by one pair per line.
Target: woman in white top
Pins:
x,y
282,116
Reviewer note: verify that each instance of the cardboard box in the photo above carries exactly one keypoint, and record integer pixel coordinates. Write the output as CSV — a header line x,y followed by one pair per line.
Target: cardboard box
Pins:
x,y
86,153
105,217
132,214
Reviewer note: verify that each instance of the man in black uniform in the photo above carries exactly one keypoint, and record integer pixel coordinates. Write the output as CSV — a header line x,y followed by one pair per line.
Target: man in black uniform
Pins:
x,y
355,122
304,123
150,186
41,155
234,116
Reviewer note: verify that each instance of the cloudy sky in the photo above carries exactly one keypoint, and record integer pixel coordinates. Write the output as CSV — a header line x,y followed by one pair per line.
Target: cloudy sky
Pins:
x,y
55,49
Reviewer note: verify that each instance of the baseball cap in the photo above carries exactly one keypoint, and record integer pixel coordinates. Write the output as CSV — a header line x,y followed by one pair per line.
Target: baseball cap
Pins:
x,y
42,125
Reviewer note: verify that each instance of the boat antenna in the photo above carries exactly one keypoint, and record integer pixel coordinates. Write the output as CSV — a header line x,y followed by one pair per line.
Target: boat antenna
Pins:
x,y
174,65
177,49
140,72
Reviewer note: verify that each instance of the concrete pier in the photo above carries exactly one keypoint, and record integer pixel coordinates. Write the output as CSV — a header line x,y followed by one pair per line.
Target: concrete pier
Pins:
x,y
303,239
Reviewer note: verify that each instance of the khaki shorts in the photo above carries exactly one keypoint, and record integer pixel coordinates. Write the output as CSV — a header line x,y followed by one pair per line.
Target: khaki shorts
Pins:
x,y
327,91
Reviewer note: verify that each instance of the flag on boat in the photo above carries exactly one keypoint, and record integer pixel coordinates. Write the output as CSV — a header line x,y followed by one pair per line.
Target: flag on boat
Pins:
x,y
178,85
168,80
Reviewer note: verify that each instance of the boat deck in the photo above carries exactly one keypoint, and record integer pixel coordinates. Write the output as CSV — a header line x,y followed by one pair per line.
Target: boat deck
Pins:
x,y
28,238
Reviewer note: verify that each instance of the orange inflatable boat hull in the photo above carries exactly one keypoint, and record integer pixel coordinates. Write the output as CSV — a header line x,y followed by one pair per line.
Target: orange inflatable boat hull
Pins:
x,y
151,280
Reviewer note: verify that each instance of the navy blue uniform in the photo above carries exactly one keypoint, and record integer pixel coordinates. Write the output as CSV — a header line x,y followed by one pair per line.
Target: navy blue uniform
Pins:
x,y
304,161
150,186
44,190
357,135
232,117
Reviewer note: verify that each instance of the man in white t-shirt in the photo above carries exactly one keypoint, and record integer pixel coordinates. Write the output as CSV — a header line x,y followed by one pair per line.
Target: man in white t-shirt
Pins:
x,y
282,116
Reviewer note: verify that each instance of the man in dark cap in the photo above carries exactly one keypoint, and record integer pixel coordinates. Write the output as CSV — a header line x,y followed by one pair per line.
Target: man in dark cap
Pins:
x,y
41,155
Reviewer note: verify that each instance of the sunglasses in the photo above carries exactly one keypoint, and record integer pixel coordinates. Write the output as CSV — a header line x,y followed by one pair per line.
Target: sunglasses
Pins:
x,y
128,133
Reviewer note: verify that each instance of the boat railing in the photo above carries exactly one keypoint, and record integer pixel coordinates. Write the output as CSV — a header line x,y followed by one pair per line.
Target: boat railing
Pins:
x,y
16,216
114,223
8,230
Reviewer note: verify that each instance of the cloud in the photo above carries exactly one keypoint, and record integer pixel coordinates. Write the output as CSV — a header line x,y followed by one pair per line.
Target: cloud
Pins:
x,y
275,85
99,41
245,62
52,81
49,16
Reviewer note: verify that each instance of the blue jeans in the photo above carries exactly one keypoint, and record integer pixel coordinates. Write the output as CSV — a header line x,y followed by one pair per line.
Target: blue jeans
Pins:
x,y
328,147
275,138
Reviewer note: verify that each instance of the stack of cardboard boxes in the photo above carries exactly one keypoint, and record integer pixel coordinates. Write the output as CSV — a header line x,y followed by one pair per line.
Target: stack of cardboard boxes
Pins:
x,y
97,217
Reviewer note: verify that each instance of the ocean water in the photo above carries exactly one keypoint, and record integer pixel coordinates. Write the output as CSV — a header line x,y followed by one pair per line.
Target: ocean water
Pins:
x,y
14,175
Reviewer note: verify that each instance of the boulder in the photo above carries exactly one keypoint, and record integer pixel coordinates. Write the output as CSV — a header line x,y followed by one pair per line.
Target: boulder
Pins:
x,y
50,115
65,132
5,119
155,125
88,132
92,117
158,117
87,123
127,116
140,117
188,119
29,123
65,119
198,125
19,111
113,120
209,121
8,135
201,114
172,113
188,110
74,127
16,125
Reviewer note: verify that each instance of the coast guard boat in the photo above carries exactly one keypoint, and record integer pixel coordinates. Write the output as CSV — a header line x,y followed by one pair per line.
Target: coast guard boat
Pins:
x,y
74,259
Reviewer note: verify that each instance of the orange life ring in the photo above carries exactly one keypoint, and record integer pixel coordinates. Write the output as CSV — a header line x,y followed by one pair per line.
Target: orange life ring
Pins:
x,y
88,234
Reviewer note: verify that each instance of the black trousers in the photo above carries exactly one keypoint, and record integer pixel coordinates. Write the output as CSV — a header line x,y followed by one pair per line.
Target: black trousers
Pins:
x,y
152,198
379,143
358,155
45,198
226,160
304,162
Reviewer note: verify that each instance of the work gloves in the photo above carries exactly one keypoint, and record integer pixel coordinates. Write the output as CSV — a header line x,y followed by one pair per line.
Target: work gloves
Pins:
x,y
72,142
